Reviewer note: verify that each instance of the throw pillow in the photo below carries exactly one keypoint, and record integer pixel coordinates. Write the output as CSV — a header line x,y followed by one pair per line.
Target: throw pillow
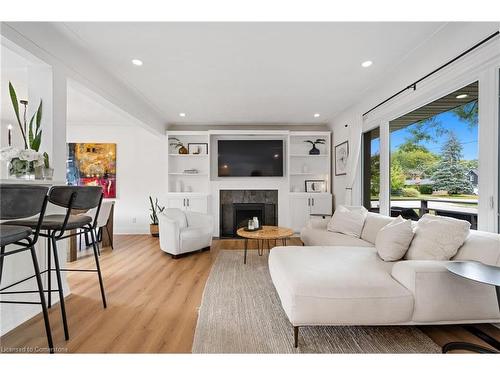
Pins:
x,y
437,238
348,220
393,240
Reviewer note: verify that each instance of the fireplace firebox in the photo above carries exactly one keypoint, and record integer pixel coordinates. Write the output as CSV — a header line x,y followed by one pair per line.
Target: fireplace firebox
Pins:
x,y
238,206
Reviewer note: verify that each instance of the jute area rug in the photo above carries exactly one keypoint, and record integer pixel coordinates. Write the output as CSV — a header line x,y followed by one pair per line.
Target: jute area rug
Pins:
x,y
241,313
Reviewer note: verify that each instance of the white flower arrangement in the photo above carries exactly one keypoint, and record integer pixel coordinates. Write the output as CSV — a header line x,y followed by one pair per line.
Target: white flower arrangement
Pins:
x,y
31,155
9,153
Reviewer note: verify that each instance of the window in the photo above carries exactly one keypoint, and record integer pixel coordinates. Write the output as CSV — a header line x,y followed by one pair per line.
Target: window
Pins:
x,y
434,158
371,169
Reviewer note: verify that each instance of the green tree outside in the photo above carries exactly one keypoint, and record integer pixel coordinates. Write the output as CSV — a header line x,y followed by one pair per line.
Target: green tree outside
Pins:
x,y
451,173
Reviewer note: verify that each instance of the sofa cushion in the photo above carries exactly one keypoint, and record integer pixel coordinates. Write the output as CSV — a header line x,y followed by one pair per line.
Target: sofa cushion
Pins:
x,y
373,223
320,285
394,239
437,238
481,246
320,237
348,220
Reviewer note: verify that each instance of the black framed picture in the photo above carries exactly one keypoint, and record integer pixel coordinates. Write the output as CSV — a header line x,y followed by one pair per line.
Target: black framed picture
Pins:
x,y
341,155
198,148
315,186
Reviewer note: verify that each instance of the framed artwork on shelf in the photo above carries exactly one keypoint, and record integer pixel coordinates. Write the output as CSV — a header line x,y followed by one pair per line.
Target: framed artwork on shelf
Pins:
x,y
198,148
341,155
315,186
92,164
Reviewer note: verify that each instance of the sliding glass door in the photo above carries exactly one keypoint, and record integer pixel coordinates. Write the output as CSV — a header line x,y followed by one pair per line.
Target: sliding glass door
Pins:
x,y
434,158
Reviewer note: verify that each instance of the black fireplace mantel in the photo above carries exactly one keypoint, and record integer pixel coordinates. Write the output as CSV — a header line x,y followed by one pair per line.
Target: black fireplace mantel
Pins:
x,y
237,206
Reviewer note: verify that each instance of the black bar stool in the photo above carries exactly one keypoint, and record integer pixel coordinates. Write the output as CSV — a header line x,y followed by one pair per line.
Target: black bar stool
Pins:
x,y
21,201
69,197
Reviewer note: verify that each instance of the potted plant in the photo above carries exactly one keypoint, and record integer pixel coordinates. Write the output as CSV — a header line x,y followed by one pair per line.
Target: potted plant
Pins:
x,y
155,210
23,163
178,144
314,150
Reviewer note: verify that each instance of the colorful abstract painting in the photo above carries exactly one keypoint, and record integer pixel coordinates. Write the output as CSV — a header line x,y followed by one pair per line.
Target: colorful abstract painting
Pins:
x,y
92,164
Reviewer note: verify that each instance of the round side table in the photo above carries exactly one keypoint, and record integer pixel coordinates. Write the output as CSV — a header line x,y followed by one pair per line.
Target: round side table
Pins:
x,y
484,274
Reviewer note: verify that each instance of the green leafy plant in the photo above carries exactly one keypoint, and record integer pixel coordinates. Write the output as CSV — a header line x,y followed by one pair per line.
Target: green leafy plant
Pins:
x,y
410,192
319,141
46,160
155,210
32,133
15,105
177,143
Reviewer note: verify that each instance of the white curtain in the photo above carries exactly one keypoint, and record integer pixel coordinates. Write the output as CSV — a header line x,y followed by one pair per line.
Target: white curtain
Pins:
x,y
354,137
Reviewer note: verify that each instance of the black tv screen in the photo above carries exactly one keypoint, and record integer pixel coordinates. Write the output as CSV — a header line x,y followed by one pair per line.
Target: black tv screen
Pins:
x,y
250,158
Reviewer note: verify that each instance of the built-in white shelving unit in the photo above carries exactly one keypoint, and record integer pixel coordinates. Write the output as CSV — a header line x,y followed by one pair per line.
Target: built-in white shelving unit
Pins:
x,y
180,181
302,166
308,156
200,191
188,155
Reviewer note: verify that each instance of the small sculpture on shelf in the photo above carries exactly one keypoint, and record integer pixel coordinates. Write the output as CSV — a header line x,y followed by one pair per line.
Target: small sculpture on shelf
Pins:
x,y
314,150
178,145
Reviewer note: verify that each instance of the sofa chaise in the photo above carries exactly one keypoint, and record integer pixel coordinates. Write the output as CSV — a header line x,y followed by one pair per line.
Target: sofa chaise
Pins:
x,y
337,279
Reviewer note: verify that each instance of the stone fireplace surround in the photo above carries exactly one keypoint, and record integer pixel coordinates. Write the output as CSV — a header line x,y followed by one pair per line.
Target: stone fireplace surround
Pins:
x,y
264,202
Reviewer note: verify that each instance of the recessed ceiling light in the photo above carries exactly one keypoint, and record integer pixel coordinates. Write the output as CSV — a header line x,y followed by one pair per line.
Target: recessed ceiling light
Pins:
x,y
137,62
366,64
182,114
316,115
462,96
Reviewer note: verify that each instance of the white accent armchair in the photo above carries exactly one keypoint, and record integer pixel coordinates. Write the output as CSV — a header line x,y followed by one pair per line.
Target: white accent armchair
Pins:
x,y
184,231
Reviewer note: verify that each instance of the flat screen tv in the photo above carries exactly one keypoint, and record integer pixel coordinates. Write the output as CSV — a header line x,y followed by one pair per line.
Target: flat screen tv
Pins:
x,y
250,158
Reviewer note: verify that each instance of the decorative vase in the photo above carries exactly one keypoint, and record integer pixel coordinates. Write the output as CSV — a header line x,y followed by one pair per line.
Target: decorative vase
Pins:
x,y
153,228
21,169
179,186
4,170
183,150
42,173
256,222
314,150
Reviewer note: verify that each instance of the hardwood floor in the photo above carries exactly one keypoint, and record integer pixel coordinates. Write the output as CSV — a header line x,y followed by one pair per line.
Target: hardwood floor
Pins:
x,y
153,302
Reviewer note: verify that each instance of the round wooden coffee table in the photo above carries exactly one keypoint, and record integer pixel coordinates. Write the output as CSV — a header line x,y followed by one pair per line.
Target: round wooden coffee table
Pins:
x,y
267,233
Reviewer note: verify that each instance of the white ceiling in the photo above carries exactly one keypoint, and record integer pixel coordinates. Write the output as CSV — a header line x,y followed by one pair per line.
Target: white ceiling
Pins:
x,y
233,73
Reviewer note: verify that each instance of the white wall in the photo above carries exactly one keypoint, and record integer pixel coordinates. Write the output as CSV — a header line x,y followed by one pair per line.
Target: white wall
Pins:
x,y
449,42
140,171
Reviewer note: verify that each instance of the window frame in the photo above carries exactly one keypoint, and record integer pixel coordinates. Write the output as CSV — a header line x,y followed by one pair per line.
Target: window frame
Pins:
x,y
482,66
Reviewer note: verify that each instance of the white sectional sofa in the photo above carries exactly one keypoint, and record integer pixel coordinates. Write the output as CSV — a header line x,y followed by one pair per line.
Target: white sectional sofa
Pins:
x,y
340,280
